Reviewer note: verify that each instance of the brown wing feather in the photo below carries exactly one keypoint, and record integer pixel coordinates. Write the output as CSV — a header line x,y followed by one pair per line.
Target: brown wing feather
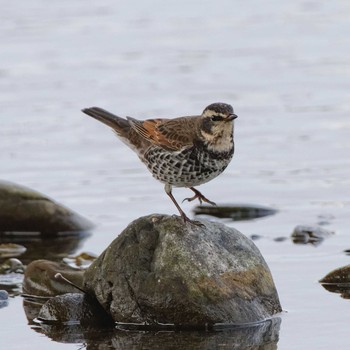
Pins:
x,y
173,134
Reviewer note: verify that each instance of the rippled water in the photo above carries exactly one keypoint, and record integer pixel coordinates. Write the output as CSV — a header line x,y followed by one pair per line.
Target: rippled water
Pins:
x,y
285,67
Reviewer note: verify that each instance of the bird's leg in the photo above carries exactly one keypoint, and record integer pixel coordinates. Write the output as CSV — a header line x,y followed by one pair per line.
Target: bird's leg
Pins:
x,y
167,189
198,196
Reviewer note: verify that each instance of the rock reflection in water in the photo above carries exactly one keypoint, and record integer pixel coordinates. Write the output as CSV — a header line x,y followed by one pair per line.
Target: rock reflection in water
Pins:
x,y
261,336
235,212
53,248
342,289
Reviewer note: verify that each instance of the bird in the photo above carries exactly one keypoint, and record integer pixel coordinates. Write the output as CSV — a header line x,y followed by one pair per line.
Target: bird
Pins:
x,y
180,152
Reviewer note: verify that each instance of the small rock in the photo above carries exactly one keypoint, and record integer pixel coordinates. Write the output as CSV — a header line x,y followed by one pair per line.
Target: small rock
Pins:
x,y
40,280
4,296
83,260
9,250
160,270
309,234
26,211
280,239
11,275
340,275
338,281
11,265
73,308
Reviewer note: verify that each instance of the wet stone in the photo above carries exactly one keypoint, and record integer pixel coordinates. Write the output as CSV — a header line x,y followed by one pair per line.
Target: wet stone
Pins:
x,y
73,308
25,211
162,271
280,239
11,275
303,234
40,278
4,295
11,265
340,275
338,281
255,237
9,250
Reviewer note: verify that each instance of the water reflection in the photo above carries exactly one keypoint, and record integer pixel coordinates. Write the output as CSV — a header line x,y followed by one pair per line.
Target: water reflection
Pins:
x,y
342,288
262,336
51,248
235,212
37,247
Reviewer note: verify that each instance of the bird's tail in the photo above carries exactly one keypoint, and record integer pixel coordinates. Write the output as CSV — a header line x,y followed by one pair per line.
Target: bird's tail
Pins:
x,y
119,125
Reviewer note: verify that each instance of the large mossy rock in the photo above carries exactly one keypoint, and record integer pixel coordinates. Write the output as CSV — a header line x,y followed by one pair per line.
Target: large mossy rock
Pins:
x,y
160,270
27,211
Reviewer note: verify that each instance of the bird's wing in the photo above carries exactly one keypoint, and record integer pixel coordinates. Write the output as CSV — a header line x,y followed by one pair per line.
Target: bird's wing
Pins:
x,y
172,134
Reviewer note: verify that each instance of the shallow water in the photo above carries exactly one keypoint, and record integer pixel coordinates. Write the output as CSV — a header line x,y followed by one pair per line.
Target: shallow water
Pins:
x,y
285,67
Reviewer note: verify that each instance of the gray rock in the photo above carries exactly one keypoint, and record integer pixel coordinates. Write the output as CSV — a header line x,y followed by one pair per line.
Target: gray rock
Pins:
x,y
303,234
73,308
159,270
25,210
10,250
11,265
4,296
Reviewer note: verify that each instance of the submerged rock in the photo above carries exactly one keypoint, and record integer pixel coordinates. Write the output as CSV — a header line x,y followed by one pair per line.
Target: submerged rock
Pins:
x,y
40,278
4,296
309,234
26,211
160,270
338,281
9,250
11,275
11,265
73,308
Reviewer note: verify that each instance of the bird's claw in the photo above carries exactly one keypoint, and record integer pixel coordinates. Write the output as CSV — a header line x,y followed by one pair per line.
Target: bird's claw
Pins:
x,y
200,198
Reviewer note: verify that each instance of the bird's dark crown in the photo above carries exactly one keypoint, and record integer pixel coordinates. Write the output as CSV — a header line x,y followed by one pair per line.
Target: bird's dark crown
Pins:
x,y
219,108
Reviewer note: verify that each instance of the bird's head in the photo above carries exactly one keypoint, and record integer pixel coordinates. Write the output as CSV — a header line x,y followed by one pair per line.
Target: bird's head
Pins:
x,y
217,123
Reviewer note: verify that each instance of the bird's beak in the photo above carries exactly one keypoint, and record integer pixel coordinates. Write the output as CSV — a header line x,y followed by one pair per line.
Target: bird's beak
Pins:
x,y
231,117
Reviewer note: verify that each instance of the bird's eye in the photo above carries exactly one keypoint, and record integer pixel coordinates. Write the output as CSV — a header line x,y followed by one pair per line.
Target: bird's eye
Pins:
x,y
216,118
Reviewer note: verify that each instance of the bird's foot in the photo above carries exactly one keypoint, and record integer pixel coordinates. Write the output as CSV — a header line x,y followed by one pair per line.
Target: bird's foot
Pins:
x,y
198,196
191,222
